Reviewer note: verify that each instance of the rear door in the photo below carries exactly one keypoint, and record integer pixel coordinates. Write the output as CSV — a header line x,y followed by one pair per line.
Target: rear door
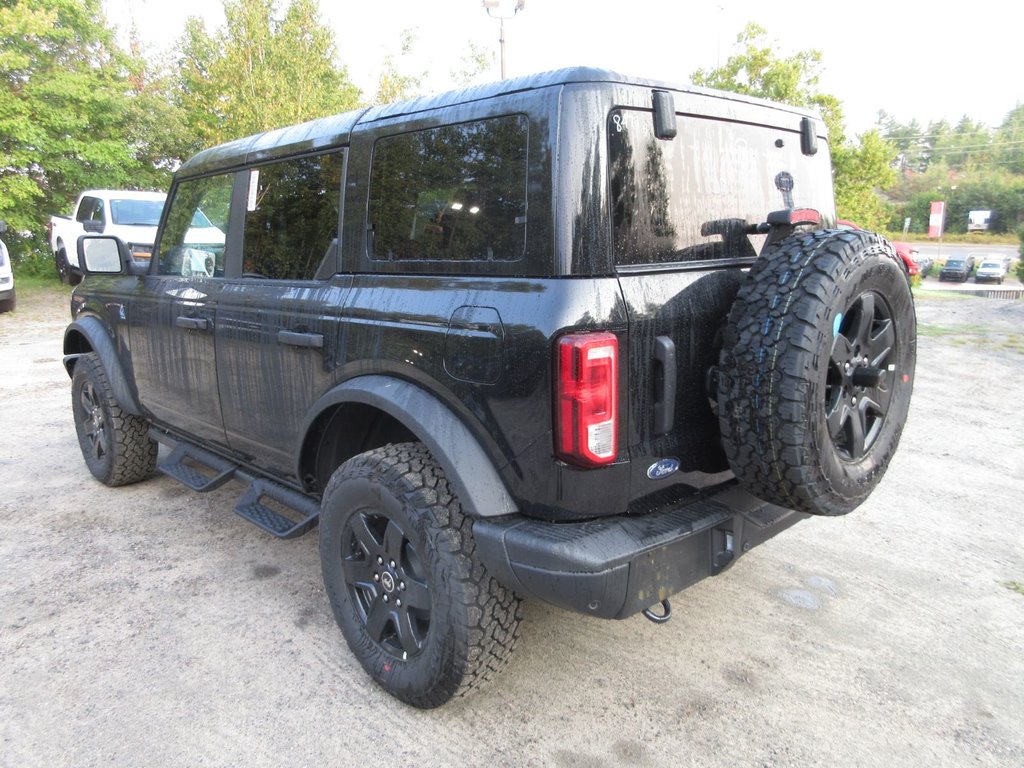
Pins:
x,y
278,323
680,210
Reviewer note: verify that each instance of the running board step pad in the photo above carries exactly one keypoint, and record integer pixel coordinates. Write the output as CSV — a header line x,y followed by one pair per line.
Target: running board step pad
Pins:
x,y
175,466
251,507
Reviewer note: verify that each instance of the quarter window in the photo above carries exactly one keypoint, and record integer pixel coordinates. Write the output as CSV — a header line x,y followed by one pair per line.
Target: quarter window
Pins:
x,y
291,220
193,240
454,193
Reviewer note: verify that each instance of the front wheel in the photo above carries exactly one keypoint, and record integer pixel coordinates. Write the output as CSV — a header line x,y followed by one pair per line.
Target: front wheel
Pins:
x,y
116,445
60,258
417,607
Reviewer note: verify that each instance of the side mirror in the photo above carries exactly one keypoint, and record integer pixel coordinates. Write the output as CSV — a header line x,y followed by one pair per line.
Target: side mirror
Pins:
x,y
107,255
92,225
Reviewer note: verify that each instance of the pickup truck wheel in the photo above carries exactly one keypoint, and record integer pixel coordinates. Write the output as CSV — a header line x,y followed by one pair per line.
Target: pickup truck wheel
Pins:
x,y
61,260
816,370
116,445
417,607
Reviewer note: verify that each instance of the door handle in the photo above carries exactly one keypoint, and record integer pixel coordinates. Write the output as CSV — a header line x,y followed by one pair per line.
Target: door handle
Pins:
x,y
309,340
665,407
192,323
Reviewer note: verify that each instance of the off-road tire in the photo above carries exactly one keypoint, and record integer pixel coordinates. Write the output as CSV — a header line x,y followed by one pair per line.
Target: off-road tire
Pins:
x,y
812,309
116,445
458,626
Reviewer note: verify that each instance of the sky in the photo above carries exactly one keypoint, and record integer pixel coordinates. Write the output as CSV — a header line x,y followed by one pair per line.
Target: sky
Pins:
x,y
914,59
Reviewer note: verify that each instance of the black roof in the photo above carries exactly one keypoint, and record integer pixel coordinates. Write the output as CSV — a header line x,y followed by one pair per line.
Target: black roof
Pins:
x,y
336,130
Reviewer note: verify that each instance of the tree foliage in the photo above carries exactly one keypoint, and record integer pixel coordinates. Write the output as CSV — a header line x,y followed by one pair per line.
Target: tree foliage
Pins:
x,y
260,72
861,169
65,99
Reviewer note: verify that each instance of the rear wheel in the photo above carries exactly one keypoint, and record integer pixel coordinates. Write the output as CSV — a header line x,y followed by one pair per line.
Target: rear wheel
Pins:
x,y
115,445
60,258
816,371
415,604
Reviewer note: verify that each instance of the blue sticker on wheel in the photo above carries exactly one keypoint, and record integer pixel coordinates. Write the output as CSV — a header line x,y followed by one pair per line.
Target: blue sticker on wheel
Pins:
x,y
836,323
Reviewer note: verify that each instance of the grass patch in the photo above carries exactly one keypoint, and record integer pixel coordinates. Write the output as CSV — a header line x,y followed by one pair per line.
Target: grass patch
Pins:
x,y
1014,586
936,295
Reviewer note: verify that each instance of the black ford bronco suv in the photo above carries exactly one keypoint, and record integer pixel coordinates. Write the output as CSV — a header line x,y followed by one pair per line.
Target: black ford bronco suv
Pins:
x,y
577,337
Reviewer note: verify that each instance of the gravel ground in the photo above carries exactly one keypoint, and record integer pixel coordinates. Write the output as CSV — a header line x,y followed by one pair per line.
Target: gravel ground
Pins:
x,y
151,626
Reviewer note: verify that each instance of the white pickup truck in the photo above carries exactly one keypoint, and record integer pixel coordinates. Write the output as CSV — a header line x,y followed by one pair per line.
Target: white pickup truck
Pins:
x,y
131,216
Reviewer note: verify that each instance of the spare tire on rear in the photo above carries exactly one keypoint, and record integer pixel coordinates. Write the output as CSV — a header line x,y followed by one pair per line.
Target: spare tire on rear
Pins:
x,y
817,369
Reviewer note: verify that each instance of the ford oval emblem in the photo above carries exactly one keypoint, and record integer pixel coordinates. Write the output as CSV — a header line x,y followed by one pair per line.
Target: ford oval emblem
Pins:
x,y
662,468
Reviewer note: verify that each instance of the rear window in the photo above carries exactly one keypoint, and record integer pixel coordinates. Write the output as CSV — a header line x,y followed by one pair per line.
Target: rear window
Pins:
x,y
692,197
136,212
454,193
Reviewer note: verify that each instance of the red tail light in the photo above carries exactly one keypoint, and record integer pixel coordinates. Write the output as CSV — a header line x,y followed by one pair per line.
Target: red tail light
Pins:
x,y
587,399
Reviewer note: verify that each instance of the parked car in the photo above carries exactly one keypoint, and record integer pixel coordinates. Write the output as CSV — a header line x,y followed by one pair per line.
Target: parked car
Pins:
x,y
905,251
130,216
957,268
992,269
578,337
8,296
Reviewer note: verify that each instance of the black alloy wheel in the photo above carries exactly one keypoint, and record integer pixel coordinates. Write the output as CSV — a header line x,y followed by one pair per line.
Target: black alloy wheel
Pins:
x,y
387,581
93,423
859,387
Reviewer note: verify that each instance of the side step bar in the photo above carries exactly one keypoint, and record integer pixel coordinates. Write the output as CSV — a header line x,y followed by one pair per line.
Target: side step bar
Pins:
x,y
300,514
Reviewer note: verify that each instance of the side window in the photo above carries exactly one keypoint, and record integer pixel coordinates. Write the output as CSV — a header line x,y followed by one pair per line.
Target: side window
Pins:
x,y
192,243
454,193
87,210
291,219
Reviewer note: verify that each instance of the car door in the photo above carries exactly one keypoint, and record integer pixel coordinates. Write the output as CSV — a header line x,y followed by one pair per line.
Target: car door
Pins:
x,y
278,323
173,311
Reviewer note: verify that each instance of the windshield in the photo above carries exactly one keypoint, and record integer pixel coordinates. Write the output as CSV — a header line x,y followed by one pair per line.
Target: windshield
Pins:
x,y
991,265
144,213
955,263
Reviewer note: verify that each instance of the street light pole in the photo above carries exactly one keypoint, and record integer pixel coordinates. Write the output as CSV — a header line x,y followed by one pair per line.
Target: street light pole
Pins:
x,y
503,9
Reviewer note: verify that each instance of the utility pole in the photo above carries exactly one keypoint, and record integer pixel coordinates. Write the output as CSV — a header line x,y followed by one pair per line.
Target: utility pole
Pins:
x,y
501,10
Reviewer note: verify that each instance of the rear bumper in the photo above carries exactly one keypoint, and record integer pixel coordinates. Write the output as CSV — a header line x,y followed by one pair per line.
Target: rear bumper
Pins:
x,y
615,567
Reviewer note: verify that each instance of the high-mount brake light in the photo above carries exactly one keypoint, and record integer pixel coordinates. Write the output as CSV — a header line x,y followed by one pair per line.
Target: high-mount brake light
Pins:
x,y
587,399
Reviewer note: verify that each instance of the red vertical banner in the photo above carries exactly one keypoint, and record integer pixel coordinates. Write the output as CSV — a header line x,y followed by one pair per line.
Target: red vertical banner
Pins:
x,y
936,219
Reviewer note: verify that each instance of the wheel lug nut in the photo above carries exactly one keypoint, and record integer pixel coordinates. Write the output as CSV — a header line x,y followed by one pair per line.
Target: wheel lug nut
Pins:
x,y
376,577
386,598
392,563
401,585
855,401
398,602
380,560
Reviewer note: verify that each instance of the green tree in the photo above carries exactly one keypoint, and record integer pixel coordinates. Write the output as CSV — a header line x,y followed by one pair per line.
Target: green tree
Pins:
x,y
64,105
861,168
260,72
1009,141
394,84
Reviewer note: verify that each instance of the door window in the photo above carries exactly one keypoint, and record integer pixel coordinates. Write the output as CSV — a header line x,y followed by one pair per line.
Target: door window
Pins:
x,y
291,220
193,240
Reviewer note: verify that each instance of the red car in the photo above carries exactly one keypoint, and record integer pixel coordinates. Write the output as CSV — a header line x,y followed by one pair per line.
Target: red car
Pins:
x,y
904,250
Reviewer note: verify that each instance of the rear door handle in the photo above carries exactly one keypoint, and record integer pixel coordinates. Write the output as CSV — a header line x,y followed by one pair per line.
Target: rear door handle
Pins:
x,y
310,340
665,407
192,323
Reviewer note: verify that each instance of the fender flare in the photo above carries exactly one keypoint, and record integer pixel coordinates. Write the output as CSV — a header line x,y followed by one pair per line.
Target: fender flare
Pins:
x,y
100,341
467,466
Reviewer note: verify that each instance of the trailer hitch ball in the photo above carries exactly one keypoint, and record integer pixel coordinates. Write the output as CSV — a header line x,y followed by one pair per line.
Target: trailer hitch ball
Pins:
x,y
660,618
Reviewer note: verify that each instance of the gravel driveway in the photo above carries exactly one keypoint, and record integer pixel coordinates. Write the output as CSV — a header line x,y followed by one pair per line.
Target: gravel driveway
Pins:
x,y
150,626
